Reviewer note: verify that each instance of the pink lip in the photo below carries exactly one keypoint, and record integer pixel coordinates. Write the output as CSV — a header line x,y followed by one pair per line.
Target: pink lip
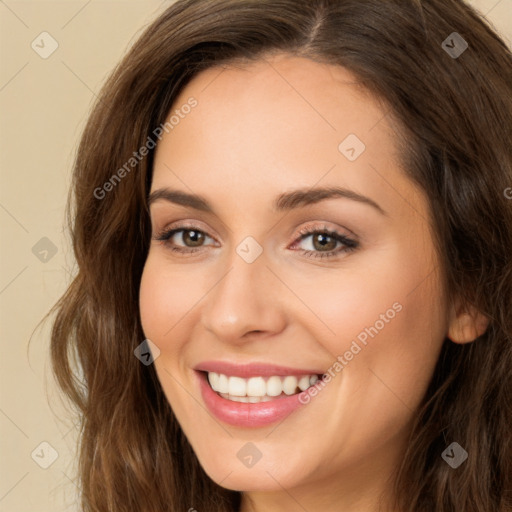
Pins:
x,y
252,369
240,414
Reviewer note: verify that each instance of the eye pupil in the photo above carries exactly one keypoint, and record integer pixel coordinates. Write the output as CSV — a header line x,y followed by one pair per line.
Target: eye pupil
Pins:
x,y
196,238
322,239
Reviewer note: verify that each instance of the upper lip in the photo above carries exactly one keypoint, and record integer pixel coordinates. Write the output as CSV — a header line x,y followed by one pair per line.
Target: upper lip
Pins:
x,y
252,369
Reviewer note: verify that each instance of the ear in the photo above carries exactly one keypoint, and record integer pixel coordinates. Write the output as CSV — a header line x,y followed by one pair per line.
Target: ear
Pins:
x,y
466,324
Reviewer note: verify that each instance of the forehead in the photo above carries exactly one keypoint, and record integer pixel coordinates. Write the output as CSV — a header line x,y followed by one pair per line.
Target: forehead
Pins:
x,y
280,121
296,97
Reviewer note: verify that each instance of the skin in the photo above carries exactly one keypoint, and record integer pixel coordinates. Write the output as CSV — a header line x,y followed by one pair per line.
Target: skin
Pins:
x,y
260,130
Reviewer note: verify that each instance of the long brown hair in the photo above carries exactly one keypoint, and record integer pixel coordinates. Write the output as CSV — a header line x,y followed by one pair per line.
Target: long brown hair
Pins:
x,y
455,112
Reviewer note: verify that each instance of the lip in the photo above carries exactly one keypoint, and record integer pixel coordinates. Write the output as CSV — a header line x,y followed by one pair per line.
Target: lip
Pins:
x,y
248,415
252,369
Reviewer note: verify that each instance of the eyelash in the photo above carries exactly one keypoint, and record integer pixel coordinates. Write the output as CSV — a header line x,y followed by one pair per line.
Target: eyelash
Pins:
x,y
348,243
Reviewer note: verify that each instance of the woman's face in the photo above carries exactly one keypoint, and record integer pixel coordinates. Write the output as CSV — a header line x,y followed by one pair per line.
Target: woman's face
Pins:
x,y
273,273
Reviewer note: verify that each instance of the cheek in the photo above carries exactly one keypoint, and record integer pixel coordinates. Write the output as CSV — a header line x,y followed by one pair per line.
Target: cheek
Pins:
x,y
389,329
165,296
152,300
388,324
166,300
387,300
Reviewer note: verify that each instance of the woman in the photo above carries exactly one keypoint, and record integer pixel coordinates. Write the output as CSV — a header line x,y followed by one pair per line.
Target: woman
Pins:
x,y
293,234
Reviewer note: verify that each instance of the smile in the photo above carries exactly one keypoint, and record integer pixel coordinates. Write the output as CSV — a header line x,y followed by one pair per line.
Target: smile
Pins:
x,y
259,389
256,394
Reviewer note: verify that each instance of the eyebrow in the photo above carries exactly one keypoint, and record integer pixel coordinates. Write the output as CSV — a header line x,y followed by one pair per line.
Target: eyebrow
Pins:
x,y
284,202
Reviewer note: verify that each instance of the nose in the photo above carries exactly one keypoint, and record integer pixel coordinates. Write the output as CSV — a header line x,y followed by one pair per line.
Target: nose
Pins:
x,y
247,300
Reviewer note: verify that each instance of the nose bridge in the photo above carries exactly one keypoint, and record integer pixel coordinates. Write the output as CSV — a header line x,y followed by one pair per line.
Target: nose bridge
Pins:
x,y
244,298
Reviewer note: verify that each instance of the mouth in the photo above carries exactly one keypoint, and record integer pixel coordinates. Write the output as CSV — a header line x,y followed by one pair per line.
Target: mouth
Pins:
x,y
256,394
261,388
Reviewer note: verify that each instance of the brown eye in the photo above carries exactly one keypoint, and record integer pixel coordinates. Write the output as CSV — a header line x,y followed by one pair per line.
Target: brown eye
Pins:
x,y
324,242
192,237
183,239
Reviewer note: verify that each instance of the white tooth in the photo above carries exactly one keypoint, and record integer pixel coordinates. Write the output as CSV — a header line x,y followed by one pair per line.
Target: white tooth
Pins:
x,y
304,383
256,386
290,384
213,378
237,386
274,386
223,384
237,398
256,389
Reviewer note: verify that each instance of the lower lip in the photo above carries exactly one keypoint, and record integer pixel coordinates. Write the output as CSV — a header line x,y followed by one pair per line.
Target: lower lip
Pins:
x,y
245,414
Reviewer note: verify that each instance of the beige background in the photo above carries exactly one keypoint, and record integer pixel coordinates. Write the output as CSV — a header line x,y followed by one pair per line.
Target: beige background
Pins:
x,y
44,104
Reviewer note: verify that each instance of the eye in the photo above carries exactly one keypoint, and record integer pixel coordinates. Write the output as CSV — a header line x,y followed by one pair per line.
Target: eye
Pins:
x,y
325,243
192,238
